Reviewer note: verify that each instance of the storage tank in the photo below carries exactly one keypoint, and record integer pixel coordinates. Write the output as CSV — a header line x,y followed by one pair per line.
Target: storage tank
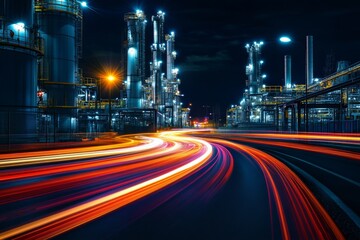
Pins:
x,y
19,51
60,23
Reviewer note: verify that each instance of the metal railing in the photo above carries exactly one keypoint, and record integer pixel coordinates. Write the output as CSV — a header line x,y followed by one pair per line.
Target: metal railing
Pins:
x,y
22,38
337,78
69,6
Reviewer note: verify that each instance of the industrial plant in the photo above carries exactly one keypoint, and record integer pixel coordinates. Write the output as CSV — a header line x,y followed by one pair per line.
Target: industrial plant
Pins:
x,y
45,96
328,104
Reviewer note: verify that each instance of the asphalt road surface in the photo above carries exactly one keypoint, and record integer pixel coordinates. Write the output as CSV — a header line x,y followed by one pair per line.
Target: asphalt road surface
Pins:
x,y
193,184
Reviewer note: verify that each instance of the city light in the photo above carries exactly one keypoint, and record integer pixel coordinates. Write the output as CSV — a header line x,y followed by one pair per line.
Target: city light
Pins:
x,y
20,26
285,39
111,78
132,51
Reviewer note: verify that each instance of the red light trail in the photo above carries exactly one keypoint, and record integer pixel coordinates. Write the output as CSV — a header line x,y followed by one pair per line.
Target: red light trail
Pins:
x,y
122,173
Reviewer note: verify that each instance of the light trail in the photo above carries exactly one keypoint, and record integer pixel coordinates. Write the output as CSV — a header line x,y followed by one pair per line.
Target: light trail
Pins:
x,y
64,155
165,160
293,200
72,187
267,140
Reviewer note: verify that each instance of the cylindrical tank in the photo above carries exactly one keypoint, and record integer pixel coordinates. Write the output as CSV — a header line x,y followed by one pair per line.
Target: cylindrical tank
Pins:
x,y
253,70
60,24
158,48
170,55
18,68
135,57
57,22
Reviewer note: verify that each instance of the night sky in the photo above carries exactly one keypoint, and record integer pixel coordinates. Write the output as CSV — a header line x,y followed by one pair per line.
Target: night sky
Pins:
x,y
211,35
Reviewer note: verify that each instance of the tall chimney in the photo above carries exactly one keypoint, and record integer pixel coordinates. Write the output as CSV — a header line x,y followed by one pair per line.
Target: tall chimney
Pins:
x,y
309,61
287,60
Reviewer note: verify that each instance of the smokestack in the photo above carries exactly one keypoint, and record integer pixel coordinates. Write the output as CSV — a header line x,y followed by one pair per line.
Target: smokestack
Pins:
x,y
309,61
287,60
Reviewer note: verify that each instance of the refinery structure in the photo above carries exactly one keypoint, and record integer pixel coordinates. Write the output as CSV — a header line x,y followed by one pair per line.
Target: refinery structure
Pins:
x,y
45,95
328,104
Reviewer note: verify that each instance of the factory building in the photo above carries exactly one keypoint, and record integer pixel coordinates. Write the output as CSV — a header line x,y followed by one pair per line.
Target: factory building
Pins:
x,y
46,97
331,103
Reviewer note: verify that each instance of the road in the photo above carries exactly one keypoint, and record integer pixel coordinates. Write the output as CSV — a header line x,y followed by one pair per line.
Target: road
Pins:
x,y
193,184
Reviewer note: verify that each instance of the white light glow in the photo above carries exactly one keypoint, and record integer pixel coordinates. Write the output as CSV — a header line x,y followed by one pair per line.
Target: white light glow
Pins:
x,y
19,27
285,39
132,52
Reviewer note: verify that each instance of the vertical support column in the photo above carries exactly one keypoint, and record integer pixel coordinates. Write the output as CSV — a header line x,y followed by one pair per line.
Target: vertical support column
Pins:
x,y
299,117
285,118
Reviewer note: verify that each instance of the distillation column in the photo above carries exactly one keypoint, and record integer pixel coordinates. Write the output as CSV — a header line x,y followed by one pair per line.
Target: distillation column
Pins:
x,y
136,23
19,50
60,22
172,97
158,48
253,69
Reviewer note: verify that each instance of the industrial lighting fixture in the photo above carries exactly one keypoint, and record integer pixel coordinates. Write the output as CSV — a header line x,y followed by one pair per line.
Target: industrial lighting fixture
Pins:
x,y
20,26
132,51
111,78
285,39
83,4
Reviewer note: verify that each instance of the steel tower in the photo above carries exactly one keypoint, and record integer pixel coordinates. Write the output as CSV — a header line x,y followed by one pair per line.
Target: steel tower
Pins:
x,y
172,94
158,48
253,69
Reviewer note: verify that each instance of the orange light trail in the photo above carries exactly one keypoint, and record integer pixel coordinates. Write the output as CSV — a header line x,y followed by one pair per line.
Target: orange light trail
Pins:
x,y
75,186
310,218
164,160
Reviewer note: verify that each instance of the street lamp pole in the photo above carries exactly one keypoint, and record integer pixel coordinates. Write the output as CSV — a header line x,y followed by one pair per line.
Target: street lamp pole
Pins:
x,y
111,79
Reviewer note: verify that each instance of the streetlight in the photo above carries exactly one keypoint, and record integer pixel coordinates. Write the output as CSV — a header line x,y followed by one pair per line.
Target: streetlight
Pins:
x,y
110,78
285,39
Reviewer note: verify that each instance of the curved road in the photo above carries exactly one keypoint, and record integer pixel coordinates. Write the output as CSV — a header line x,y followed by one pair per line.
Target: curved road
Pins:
x,y
195,184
